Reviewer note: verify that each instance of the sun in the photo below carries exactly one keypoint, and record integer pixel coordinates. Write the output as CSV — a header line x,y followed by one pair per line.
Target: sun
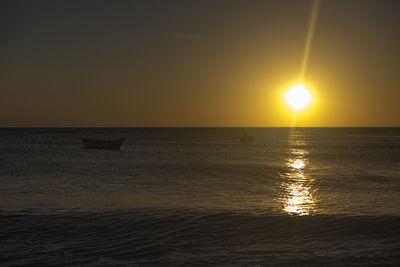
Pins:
x,y
298,97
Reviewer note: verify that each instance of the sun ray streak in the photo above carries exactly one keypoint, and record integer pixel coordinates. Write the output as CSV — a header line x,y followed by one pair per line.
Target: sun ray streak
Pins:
x,y
310,34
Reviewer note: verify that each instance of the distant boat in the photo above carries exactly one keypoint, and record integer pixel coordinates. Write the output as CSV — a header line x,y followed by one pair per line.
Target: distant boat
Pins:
x,y
246,139
102,144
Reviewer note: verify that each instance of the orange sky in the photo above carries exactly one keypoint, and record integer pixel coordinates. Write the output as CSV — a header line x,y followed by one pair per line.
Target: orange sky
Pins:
x,y
197,63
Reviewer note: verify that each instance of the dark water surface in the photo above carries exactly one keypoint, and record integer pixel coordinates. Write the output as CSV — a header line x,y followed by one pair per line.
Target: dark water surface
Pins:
x,y
196,196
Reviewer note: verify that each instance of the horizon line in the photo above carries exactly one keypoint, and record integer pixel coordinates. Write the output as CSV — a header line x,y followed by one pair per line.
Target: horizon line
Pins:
x,y
116,127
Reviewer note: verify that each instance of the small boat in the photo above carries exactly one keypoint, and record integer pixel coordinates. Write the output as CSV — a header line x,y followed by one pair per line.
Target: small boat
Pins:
x,y
246,139
102,144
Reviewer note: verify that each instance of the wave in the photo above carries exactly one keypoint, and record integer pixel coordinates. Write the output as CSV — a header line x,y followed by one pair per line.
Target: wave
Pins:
x,y
174,237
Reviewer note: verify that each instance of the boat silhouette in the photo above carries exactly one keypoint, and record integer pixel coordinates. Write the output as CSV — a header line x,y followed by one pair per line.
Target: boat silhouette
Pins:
x,y
102,144
246,139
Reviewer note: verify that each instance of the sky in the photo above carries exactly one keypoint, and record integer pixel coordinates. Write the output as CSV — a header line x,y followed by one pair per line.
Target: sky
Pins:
x,y
204,63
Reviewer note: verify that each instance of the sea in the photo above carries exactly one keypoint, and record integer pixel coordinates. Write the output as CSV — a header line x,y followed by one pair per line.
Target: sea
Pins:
x,y
199,197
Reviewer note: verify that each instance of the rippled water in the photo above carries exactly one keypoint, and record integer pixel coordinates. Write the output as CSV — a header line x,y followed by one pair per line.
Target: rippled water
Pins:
x,y
196,196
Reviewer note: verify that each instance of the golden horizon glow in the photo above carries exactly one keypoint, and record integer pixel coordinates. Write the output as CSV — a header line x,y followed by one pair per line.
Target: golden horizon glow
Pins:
x,y
192,77
298,97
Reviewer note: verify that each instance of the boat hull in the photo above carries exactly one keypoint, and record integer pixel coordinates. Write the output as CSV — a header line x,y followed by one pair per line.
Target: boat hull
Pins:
x,y
102,144
246,139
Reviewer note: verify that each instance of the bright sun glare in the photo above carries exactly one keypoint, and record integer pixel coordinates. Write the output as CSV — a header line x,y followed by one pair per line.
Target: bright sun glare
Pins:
x,y
298,97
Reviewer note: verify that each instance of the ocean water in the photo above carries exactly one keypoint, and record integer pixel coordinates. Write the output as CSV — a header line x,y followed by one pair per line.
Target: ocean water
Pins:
x,y
196,196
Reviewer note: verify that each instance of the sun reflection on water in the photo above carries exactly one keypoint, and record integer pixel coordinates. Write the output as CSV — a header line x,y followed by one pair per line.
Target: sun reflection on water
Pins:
x,y
297,196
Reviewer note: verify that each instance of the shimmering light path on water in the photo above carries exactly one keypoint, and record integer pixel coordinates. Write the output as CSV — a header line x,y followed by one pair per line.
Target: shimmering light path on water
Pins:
x,y
297,193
